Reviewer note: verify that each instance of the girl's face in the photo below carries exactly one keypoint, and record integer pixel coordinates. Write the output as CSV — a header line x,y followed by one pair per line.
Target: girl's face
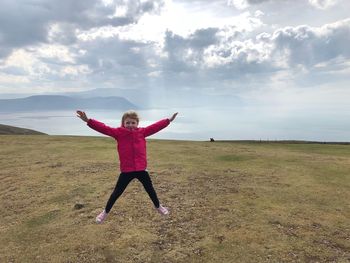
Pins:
x,y
130,123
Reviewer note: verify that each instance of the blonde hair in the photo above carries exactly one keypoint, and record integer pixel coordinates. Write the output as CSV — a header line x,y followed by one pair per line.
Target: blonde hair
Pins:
x,y
130,114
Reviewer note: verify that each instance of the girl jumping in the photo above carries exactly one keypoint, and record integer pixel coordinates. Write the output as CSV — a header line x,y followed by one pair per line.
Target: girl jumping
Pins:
x,y
131,145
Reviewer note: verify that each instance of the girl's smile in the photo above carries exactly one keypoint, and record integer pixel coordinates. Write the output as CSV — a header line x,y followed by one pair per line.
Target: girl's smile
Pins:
x,y
130,124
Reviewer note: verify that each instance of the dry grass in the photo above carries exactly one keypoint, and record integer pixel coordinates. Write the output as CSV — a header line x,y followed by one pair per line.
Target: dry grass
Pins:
x,y
230,202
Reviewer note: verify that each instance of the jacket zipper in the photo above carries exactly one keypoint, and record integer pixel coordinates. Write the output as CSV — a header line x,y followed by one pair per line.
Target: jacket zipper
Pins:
x,y
133,149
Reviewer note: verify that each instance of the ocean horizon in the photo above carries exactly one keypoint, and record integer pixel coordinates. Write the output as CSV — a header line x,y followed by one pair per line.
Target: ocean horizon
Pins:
x,y
225,123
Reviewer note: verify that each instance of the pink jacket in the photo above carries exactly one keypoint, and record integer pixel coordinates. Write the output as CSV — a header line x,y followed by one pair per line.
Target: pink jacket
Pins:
x,y
131,143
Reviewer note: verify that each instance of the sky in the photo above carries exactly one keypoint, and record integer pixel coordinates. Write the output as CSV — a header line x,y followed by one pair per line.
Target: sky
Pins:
x,y
285,58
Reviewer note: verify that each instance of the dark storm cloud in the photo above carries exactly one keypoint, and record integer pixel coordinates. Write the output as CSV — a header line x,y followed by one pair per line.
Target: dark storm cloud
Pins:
x,y
21,23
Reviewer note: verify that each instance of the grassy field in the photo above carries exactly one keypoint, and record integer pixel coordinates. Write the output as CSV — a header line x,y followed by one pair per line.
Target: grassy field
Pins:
x,y
229,201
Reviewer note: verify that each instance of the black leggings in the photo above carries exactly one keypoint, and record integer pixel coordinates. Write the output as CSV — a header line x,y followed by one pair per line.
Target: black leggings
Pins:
x,y
123,181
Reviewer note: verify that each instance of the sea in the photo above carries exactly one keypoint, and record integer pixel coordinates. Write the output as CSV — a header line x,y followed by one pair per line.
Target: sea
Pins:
x,y
198,123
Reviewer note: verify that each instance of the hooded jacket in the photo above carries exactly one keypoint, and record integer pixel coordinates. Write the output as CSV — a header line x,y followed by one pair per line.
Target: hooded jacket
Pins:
x,y
131,144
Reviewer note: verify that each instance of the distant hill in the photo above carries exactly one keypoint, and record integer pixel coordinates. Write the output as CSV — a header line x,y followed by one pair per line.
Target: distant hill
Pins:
x,y
57,102
140,97
8,130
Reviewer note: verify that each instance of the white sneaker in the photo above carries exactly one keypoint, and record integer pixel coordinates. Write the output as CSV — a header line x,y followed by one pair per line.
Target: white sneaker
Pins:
x,y
163,210
101,217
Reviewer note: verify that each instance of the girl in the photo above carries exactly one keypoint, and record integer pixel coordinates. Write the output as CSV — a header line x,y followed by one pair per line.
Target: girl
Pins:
x,y
131,145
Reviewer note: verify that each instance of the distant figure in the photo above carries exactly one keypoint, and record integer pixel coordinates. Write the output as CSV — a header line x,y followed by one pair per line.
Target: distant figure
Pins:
x,y
212,140
131,145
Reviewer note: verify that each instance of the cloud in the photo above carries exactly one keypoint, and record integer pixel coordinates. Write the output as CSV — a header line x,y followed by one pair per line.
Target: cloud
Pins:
x,y
219,50
70,51
309,46
205,57
16,71
31,22
288,47
212,47
235,60
323,4
243,4
115,62
184,53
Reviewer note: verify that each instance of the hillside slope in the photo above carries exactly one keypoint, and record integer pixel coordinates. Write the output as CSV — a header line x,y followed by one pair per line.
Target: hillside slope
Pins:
x,y
6,130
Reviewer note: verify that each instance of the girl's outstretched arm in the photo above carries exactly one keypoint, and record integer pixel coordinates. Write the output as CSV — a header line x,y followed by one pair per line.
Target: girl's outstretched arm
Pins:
x,y
97,126
82,115
156,127
173,117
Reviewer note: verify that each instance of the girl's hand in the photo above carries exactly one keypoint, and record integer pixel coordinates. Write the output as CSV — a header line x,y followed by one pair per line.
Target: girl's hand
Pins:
x,y
82,115
173,117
